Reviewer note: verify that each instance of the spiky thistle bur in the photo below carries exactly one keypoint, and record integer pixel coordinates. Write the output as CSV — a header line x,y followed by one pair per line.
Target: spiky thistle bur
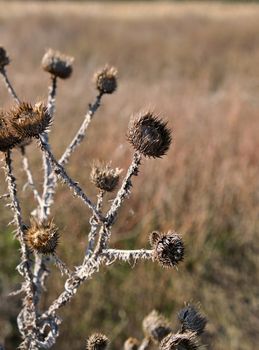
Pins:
x,y
156,326
106,80
29,121
168,248
180,341
131,344
104,177
42,237
4,59
149,135
8,136
192,320
97,341
57,64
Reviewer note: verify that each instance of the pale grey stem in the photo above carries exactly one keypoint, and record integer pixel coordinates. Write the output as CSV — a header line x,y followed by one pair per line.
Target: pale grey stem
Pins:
x,y
9,86
40,274
61,265
128,255
27,170
81,132
62,174
5,196
145,344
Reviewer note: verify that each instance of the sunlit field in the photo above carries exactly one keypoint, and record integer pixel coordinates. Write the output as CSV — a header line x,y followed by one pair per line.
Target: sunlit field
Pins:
x,y
197,65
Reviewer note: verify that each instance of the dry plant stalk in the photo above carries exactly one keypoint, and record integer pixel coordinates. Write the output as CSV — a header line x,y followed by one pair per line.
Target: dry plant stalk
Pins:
x,y
38,238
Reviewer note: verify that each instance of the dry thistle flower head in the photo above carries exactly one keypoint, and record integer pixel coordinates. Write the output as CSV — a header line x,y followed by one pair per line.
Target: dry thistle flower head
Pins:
x,y
149,135
4,59
192,320
42,237
8,139
106,80
156,326
131,344
180,341
29,121
57,64
168,248
104,177
97,341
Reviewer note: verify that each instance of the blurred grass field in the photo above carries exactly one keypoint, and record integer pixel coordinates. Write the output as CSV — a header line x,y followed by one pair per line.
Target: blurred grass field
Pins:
x,y
197,65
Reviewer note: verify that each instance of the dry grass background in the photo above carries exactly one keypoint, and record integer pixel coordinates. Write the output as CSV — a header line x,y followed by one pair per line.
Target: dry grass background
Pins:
x,y
198,66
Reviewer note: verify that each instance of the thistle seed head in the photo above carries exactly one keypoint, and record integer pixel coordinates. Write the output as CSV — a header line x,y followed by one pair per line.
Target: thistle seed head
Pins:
x,y
106,80
57,64
179,341
104,177
8,139
168,248
42,237
4,59
29,121
192,320
97,341
149,135
131,344
156,326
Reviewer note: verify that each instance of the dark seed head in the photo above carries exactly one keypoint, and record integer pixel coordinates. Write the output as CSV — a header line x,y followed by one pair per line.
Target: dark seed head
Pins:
x,y
156,326
4,59
131,344
104,177
97,341
192,320
168,248
179,341
106,80
57,64
8,137
149,135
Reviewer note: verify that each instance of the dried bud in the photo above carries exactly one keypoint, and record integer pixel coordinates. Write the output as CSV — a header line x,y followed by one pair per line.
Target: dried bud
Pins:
x,y
104,177
106,80
192,320
179,341
149,135
57,64
42,237
156,326
4,59
28,121
131,344
8,139
168,248
97,341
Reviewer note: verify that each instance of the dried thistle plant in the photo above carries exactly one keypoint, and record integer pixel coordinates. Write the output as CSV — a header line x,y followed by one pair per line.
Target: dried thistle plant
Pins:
x,y
38,235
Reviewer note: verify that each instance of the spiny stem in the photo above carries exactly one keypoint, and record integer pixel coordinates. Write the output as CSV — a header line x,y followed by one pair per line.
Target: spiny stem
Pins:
x,y
127,255
9,86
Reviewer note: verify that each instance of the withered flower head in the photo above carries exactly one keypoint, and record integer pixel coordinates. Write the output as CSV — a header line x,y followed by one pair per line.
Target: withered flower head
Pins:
x,y
192,320
4,59
57,64
29,121
131,344
97,341
179,341
42,237
106,80
168,248
104,177
8,139
149,135
156,326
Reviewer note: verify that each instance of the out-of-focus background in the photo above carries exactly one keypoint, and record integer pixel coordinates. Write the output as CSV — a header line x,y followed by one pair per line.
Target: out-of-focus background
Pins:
x,y
197,64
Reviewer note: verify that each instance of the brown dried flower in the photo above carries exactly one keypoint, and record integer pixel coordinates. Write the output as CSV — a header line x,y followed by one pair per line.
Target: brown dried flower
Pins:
x,y
28,121
42,237
8,139
156,326
131,344
57,64
149,135
192,320
4,59
168,248
104,177
180,341
106,80
97,341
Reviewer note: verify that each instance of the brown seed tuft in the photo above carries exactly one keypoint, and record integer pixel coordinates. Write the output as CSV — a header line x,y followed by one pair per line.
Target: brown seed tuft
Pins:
x,y
4,59
149,135
156,326
104,177
168,248
8,139
42,237
180,341
192,320
106,80
97,341
57,64
131,344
